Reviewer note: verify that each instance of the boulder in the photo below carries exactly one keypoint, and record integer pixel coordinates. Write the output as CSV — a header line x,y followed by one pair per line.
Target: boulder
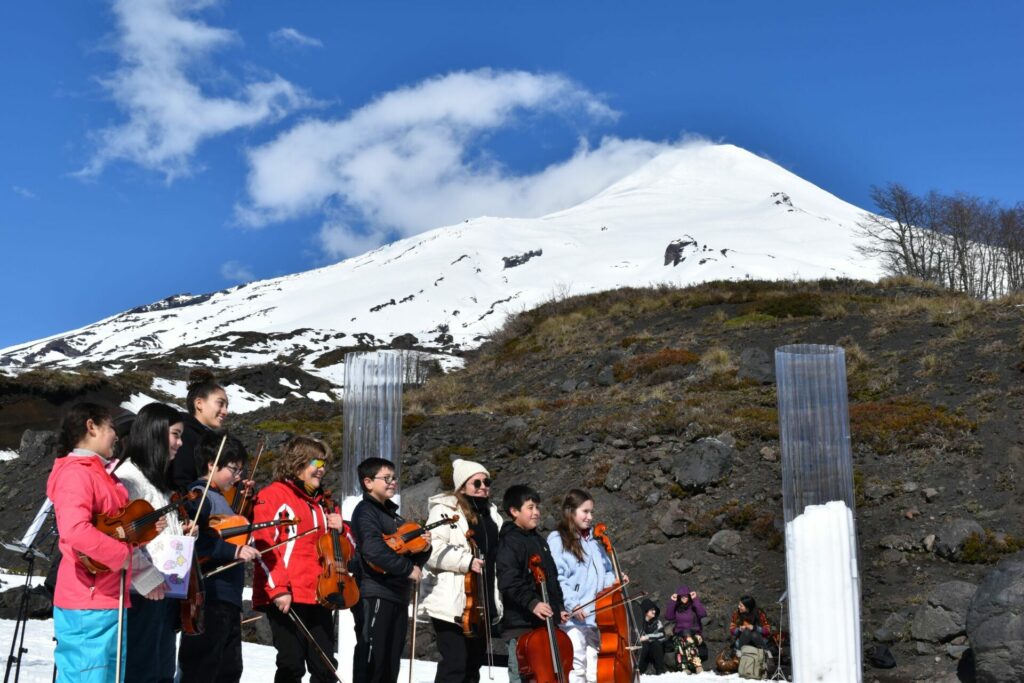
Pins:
x,y
756,365
616,477
995,622
703,463
606,377
414,498
36,445
893,628
726,542
950,539
676,519
898,542
944,615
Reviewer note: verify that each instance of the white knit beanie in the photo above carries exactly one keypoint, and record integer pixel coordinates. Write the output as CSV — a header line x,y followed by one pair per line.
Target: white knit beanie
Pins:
x,y
464,469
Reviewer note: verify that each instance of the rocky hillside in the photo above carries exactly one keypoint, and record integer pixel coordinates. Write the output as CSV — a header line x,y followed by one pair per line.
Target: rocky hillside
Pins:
x,y
662,403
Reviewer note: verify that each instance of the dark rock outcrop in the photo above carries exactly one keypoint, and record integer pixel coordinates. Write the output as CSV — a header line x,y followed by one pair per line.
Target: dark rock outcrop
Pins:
x,y
995,623
951,537
702,464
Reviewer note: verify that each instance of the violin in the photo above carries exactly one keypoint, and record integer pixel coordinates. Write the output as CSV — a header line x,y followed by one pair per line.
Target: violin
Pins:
x,y
335,587
190,609
408,539
242,498
236,529
134,524
475,619
545,653
615,663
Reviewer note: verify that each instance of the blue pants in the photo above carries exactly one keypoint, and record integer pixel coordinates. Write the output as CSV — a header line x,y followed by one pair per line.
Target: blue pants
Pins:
x,y
87,645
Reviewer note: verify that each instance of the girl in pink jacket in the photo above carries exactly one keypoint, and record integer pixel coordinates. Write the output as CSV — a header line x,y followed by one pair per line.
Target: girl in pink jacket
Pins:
x,y
85,605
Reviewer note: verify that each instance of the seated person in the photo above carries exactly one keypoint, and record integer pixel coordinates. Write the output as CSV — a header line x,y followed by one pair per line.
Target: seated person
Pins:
x,y
688,651
652,639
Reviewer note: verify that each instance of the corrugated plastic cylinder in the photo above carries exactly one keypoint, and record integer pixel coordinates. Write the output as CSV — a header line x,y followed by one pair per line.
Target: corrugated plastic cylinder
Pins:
x,y
372,412
814,427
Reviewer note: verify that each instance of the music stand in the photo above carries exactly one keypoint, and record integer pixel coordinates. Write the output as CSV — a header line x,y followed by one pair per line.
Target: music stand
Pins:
x,y
26,548
779,674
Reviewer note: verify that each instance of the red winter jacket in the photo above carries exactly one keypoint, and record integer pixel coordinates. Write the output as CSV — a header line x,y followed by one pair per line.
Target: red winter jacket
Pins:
x,y
80,488
294,566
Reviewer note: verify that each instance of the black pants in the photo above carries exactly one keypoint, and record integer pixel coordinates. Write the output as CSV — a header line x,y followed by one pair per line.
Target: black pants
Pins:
x,y
652,652
294,653
379,649
461,657
216,655
150,656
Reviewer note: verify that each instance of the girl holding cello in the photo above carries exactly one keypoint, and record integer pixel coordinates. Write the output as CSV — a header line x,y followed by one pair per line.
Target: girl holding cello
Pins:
x,y
145,471
87,614
289,580
462,639
584,570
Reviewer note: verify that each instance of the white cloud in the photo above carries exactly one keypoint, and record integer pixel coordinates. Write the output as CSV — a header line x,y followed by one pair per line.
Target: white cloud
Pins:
x,y
236,272
162,46
407,161
23,192
290,37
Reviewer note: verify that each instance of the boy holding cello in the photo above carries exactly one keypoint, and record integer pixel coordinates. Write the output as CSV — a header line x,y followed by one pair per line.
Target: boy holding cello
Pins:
x,y
521,597
388,577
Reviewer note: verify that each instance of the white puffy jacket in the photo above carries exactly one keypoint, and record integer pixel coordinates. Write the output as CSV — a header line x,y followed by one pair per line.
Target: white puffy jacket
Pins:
x,y
442,589
146,577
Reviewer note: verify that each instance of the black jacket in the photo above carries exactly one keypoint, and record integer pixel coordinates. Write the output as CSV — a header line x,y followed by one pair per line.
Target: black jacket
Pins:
x,y
519,593
655,628
227,585
183,467
388,577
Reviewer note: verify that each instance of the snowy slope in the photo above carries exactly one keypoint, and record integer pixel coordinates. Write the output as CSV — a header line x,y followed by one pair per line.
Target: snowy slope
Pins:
x,y
727,214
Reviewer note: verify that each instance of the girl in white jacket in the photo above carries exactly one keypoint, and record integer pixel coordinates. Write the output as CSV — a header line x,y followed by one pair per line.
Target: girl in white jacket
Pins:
x,y
583,571
442,590
154,439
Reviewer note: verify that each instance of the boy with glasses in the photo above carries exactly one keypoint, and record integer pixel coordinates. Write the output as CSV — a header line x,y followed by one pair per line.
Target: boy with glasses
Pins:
x,y
388,578
216,654
285,583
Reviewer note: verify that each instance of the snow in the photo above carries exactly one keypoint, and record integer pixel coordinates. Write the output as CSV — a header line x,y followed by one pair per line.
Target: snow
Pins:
x,y
37,663
174,387
319,396
725,204
137,401
821,569
8,455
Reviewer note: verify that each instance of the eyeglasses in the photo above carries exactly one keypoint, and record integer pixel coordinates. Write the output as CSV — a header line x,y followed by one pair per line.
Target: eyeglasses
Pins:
x,y
234,470
318,463
479,483
388,479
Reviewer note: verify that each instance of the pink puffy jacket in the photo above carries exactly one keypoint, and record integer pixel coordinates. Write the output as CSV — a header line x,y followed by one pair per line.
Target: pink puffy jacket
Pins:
x,y
80,488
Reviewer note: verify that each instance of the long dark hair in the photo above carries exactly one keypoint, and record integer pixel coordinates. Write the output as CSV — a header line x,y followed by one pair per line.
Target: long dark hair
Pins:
x,y
567,530
74,427
750,604
147,445
201,383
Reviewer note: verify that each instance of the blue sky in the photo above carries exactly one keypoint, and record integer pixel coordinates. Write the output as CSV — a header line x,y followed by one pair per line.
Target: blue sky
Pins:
x,y
157,147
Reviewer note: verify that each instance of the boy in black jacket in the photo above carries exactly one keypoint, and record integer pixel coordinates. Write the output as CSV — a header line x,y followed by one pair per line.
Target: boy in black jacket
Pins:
x,y
652,639
518,540
387,578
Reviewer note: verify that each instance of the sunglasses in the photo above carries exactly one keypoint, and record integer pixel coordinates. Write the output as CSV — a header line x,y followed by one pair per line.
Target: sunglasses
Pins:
x,y
477,483
318,463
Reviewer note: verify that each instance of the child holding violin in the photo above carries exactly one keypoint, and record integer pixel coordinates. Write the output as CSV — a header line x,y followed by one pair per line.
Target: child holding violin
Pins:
x,y
216,655
287,579
518,541
584,570
206,404
443,596
86,610
387,577
145,468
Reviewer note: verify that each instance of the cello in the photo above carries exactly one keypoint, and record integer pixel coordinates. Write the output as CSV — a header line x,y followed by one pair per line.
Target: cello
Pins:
x,y
615,660
545,653
335,587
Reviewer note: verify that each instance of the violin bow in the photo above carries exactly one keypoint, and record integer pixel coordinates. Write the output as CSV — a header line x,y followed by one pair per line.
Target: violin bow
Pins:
x,y
588,604
229,565
209,480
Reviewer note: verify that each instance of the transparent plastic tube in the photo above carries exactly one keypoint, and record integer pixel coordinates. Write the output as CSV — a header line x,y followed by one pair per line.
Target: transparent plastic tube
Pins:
x,y
818,502
372,413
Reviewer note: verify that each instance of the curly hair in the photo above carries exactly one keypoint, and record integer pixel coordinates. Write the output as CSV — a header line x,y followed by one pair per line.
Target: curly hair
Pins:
x,y
298,451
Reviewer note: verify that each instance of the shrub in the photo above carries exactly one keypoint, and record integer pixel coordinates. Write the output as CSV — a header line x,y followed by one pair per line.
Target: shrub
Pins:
x,y
650,362
749,320
886,426
989,548
799,305
717,361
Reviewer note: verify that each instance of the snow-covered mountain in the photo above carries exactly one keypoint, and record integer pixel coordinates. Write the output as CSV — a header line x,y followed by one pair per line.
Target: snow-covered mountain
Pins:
x,y
693,214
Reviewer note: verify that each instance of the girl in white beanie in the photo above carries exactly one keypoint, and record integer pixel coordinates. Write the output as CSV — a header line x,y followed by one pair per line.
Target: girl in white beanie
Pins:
x,y
443,596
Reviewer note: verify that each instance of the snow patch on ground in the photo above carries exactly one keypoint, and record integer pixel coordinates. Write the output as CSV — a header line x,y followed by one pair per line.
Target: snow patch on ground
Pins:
x,y
8,455
175,387
137,401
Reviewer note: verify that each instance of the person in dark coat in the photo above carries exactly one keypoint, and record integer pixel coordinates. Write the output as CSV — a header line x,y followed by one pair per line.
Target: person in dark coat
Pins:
x,y
686,612
652,639
518,541
387,578
206,406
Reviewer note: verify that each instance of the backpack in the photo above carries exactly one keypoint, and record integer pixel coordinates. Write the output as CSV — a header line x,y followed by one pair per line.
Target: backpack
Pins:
x,y
752,663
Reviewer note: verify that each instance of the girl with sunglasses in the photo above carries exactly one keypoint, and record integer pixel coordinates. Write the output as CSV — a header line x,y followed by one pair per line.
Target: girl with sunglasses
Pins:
x,y
294,566
442,591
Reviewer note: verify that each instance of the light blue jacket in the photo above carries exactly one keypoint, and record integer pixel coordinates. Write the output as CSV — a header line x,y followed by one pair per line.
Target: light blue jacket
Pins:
x,y
581,581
